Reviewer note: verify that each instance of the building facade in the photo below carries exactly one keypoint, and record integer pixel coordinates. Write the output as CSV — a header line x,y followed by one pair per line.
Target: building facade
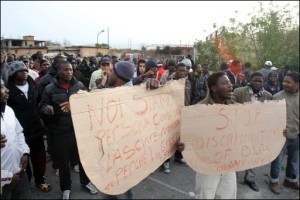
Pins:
x,y
28,46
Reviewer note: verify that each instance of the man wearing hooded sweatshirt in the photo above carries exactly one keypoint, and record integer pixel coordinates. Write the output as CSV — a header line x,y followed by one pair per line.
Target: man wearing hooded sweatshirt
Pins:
x,y
52,71
272,85
150,72
24,100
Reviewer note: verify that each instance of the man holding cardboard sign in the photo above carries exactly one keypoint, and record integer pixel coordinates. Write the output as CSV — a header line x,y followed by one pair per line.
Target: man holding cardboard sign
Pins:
x,y
232,137
221,185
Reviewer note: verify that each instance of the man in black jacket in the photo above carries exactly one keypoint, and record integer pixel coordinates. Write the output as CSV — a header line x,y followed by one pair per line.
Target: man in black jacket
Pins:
x,y
56,111
23,100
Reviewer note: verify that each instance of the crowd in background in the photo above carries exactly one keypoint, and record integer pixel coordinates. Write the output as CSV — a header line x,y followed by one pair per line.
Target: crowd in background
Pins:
x,y
39,89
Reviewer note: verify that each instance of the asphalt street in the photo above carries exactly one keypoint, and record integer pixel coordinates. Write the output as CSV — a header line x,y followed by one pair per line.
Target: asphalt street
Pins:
x,y
179,184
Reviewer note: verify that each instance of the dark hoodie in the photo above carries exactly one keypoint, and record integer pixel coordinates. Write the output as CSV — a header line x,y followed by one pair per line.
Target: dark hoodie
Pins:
x,y
26,110
51,73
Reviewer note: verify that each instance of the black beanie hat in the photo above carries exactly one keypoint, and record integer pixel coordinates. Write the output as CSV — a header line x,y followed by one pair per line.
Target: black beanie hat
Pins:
x,y
150,64
124,70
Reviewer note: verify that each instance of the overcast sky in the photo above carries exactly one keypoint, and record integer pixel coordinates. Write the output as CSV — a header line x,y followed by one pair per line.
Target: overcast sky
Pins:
x,y
130,24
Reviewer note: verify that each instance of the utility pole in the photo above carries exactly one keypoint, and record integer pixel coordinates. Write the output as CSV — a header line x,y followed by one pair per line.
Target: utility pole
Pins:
x,y
108,37
97,41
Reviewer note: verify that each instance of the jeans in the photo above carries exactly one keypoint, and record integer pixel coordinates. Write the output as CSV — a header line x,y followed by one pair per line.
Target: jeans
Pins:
x,y
291,148
19,191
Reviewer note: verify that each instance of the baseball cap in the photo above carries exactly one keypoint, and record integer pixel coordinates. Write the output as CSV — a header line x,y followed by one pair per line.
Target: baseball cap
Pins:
x,y
268,63
105,59
274,68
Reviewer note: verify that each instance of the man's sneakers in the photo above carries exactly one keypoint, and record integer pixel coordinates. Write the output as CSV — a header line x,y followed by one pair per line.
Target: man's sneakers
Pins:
x,y
252,185
293,185
66,194
166,167
180,160
90,188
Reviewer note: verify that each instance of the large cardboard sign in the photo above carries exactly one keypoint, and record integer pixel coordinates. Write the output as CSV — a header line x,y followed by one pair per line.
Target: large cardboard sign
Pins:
x,y
125,133
227,138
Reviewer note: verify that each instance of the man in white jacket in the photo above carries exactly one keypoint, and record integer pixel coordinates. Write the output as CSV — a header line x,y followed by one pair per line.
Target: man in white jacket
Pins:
x,y
14,153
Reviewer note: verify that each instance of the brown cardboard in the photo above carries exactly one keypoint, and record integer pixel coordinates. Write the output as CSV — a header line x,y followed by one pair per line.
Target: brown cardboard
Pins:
x,y
125,133
226,138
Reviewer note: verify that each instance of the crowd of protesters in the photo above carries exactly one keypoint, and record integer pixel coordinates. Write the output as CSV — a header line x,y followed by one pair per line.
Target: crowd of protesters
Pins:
x,y
38,103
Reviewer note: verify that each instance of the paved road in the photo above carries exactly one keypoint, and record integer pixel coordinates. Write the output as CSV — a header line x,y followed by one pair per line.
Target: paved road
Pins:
x,y
176,185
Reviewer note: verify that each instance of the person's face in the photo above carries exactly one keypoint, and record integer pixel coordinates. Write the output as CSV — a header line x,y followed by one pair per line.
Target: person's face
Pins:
x,y
26,63
10,58
36,65
154,70
21,76
223,89
134,60
30,64
256,83
115,60
142,68
4,92
94,60
106,67
205,70
181,72
273,78
3,57
172,69
198,68
74,65
65,72
45,66
39,55
285,70
289,85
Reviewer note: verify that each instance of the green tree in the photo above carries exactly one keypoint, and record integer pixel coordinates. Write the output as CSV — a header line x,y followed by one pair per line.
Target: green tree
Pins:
x,y
270,35
207,52
290,50
265,37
